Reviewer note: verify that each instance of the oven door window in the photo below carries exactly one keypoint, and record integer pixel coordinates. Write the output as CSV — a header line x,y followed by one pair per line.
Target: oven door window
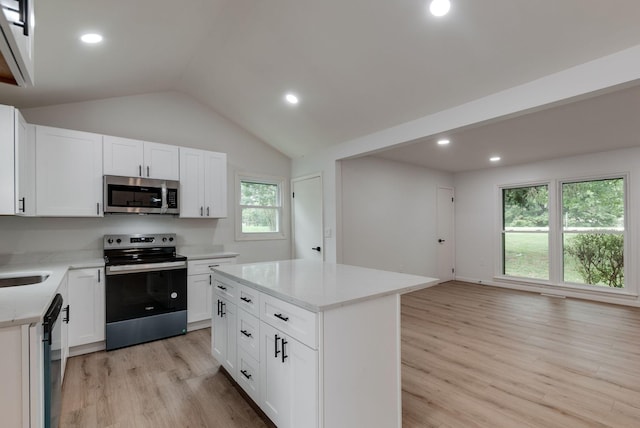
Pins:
x,y
136,295
134,196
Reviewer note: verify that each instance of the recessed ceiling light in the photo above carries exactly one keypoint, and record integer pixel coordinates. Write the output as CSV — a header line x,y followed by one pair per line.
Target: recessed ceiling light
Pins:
x,y
91,38
292,98
494,158
443,142
439,7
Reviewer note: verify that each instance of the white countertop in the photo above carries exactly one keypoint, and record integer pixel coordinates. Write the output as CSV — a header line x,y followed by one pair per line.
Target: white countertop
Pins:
x,y
205,252
319,286
27,304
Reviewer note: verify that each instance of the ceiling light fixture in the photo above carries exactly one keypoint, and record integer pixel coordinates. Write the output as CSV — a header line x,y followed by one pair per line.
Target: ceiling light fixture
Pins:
x,y
291,98
494,158
91,38
443,142
439,7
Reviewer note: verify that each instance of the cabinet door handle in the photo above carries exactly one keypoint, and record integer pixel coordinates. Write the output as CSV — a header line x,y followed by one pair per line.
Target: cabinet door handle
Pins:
x,y
219,307
276,346
246,333
282,317
98,275
247,375
207,211
98,208
140,170
68,311
222,312
284,354
201,211
148,171
209,279
22,208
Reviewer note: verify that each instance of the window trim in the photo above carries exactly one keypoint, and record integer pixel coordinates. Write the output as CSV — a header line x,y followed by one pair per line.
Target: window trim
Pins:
x,y
281,209
556,256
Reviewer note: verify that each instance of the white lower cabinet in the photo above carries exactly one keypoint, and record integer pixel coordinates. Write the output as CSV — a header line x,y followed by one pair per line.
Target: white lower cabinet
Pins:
x,y
258,339
86,306
289,379
199,288
223,334
248,376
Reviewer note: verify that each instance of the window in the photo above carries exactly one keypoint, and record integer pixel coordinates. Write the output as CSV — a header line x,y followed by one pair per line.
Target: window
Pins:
x,y
259,208
593,232
575,238
525,232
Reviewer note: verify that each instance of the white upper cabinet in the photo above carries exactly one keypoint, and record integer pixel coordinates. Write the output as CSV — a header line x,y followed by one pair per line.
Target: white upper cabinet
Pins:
x,y
7,170
25,203
134,158
203,184
68,173
16,41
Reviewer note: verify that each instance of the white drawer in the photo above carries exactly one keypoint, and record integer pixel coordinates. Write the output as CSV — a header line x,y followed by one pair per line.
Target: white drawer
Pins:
x,y
249,375
249,299
248,330
197,267
226,288
290,319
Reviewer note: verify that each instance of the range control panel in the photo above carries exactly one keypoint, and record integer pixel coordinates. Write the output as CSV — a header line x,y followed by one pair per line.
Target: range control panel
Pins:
x,y
140,240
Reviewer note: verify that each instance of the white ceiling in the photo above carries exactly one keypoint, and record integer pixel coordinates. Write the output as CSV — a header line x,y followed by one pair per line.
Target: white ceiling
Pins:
x,y
359,66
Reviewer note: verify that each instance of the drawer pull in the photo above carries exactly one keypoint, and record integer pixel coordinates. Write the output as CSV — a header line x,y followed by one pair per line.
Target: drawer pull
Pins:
x,y
222,287
246,333
246,299
247,375
282,317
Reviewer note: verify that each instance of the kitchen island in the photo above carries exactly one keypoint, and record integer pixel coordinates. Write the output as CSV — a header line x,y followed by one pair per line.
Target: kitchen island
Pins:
x,y
313,344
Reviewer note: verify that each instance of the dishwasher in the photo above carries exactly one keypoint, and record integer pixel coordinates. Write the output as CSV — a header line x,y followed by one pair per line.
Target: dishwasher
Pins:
x,y
52,355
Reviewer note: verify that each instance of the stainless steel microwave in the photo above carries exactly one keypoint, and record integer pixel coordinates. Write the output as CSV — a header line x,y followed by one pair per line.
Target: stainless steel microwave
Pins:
x,y
140,195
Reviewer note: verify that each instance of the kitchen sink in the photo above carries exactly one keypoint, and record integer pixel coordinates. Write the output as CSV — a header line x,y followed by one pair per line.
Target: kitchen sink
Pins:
x,y
23,279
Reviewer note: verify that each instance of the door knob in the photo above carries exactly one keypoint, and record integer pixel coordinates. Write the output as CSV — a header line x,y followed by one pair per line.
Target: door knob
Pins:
x,y
441,240
317,249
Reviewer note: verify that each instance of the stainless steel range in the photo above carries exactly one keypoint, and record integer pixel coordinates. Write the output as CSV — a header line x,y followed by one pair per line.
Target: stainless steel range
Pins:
x,y
146,289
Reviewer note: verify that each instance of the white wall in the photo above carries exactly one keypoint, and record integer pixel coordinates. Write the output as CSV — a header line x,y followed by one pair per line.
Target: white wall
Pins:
x,y
598,75
478,208
167,117
389,215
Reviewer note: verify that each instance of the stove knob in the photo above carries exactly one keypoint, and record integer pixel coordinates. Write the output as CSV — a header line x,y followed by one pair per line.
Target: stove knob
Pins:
x,y
164,239
110,241
118,240
170,239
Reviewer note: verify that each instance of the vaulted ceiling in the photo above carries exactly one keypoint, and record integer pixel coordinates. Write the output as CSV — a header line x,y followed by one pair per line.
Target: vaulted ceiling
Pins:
x,y
358,66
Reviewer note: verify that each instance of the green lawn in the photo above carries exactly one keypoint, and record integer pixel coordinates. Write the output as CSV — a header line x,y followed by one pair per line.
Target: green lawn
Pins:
x,y
527,255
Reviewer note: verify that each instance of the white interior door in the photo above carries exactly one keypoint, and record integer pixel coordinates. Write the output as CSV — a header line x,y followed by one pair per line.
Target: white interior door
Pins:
x,y
307,218
445,243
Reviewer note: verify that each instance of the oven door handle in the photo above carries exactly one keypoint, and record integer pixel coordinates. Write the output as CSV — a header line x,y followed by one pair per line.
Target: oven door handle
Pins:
x,y
147,267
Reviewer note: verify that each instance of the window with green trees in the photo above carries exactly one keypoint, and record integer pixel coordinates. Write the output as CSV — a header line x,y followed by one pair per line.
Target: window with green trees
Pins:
x,y
260,206
588,232
525,232
593,232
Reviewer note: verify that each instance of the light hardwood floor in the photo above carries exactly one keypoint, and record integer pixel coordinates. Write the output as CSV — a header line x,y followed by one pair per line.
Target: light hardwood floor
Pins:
x,y
473,356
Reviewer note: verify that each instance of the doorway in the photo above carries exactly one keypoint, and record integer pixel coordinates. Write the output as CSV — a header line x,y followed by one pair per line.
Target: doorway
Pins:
x,y
307,218
445,238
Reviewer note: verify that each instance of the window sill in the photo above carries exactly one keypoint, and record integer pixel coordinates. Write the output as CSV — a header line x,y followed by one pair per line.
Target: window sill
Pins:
x,y
625,294
260,237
